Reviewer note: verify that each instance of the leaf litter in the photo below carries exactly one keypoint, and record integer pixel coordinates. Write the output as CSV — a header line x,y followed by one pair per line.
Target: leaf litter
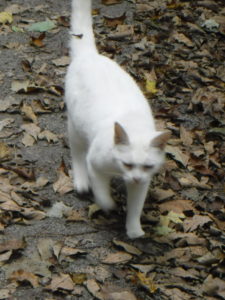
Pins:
x,y
181,72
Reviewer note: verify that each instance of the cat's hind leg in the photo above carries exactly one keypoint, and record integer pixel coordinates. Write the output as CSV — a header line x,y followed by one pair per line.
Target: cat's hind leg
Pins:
x,y
79,163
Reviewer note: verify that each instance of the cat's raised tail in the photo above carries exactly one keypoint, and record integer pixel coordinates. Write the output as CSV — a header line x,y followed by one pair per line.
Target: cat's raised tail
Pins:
x,y
82,39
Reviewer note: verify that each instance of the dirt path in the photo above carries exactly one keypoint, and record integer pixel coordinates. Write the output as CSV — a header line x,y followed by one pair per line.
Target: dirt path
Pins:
x,y
54,245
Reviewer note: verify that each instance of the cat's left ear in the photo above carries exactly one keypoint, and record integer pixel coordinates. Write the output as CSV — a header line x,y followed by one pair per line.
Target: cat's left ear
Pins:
x,y
120,135
161,140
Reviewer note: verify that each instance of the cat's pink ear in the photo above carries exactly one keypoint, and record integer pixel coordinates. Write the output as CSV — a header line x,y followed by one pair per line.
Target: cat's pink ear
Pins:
x,y
161,140
120,135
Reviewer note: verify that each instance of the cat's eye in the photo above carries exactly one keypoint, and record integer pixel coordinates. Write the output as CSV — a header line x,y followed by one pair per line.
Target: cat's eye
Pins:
x,y
128,166
148,167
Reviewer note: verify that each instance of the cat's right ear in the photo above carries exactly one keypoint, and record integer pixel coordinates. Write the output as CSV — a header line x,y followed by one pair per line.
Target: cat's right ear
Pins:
x,y
161,140
120,135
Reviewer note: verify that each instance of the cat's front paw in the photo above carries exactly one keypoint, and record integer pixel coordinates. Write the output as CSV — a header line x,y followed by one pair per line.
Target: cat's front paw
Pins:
x,y
133,234
81,185
106,205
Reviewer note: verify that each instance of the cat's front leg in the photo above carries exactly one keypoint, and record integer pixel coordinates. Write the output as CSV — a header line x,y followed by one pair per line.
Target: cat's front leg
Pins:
x,y
100,184
136,194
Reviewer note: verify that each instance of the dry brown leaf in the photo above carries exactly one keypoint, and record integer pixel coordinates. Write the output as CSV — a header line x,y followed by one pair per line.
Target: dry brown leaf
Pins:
x,y
45,248
63,184
49,136
189,180
186,136
32,129
110,2
181,38
61,282
162,194
191,224
28,140
4,257
27,110
5,152
117,258
76,216
38,41
116,293
69,251
113,22
20,85
94,288
62,61
127,247
177,206
213,286
21,276
12,245
178,155
189,274
175,294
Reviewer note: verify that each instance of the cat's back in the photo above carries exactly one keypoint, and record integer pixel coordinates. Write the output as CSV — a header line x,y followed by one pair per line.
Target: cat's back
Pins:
x,y
98,80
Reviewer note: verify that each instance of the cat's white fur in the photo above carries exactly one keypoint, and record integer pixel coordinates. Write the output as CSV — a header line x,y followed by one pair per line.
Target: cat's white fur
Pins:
x,y
110,124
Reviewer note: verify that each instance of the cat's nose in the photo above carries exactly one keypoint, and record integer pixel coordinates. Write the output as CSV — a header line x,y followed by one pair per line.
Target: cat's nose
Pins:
x,y
136,180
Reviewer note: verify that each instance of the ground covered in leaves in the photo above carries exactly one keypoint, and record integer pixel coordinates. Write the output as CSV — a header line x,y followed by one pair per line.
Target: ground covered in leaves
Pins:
x,y
54,245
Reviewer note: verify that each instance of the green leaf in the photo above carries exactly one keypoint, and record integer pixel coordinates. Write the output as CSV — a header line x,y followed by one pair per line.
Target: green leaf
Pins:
x,y
42,26
17,29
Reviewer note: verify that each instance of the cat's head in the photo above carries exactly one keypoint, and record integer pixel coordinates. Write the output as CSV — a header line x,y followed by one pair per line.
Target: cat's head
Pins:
x,y
138,158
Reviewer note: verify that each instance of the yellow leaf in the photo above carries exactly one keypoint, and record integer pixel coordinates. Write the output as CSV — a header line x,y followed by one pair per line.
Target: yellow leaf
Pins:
x,y
147,282
151,87
5,17
175,217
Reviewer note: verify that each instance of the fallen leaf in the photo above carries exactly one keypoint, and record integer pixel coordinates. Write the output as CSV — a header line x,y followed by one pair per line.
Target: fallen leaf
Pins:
x,y
32,129
177,155
147,282
6,17
62,61
64,183
6,122
117,258
191,224
94,288
61,282
117,294
189,274
38,41
75,216
27,110
79,278
178,206
22,276
5,152
49,136
12,245
69,251
127,247
42,26
58,210
20,85
213,286
92,209
181,38
110,2
4,257
28,140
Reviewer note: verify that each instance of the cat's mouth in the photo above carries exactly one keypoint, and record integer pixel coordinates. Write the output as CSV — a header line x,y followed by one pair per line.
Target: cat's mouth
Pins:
x,y
134,180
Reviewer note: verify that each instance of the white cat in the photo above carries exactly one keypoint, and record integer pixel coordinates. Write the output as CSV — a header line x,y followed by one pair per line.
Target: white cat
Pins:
x,y
111,127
